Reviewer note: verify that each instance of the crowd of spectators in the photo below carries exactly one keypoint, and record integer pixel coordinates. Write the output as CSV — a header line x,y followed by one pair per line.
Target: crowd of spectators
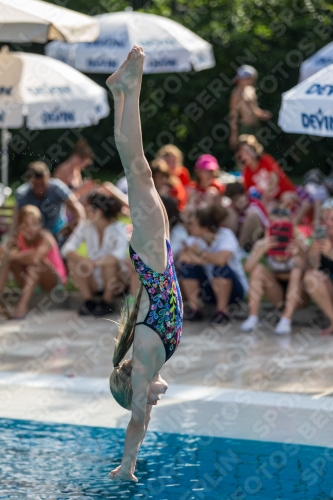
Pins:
x,y
236,242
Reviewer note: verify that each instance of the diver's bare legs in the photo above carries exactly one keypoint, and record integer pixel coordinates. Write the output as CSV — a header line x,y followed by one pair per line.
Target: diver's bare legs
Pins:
x,y
150,228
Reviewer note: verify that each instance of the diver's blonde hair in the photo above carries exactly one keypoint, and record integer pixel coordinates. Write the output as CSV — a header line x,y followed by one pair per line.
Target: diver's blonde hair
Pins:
x,y
120,378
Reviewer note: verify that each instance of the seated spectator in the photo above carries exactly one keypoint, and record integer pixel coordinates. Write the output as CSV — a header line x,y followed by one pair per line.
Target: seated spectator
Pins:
x,y
104,270
34,258
174,159
211,263
248,217
206,189
318,280
168,185
262,172
51,196
112,191
280,281
315,193
70,170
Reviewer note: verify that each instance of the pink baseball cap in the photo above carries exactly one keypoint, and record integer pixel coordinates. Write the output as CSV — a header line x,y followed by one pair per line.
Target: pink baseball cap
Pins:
x,y
207,162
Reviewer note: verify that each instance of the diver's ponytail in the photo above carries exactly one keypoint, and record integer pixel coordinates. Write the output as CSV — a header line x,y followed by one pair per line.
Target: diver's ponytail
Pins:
x,y
125,336
120,378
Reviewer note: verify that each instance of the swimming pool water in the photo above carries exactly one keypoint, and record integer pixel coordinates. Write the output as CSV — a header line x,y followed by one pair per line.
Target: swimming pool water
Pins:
x,y
63,462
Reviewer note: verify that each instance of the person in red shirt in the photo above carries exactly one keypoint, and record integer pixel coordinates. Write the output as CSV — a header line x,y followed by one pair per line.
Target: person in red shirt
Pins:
x,y
262,172
174,159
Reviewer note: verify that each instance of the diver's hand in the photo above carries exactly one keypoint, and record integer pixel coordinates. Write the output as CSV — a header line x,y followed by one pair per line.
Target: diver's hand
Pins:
x,y
118,474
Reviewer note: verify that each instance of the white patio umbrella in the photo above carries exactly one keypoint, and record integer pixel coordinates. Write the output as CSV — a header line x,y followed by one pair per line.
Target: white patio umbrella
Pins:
x,y
48,94
318,61
308,107
169,46
38,21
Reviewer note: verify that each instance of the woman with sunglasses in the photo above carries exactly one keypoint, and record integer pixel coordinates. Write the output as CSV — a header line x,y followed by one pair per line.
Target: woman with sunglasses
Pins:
x,y
280,280
153,328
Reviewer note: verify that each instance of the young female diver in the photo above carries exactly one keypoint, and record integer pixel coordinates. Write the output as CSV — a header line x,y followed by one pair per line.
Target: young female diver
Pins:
x,y
136,384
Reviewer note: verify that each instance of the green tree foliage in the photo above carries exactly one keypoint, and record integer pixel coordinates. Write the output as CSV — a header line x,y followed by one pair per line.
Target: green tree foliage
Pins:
x,y
191,109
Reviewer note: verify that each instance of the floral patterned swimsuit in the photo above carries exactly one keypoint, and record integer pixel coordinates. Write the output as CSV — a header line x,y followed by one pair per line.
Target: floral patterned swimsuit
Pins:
x,y
165,314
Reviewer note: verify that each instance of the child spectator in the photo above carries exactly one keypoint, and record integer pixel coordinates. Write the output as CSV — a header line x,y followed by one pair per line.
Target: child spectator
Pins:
x,y
104,270
211,262
34,258
318,280
280,281
207,189
247,215
174,159
168,185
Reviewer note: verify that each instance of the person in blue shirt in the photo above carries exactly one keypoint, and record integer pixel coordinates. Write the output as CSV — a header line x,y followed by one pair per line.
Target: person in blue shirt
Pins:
x,y
51,196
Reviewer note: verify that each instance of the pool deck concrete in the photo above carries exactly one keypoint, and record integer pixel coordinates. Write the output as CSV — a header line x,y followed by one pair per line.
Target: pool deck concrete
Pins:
x,y
55,367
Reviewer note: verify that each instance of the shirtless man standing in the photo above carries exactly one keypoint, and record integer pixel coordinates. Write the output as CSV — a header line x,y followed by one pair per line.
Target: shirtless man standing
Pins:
x,y
69,171
244,110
